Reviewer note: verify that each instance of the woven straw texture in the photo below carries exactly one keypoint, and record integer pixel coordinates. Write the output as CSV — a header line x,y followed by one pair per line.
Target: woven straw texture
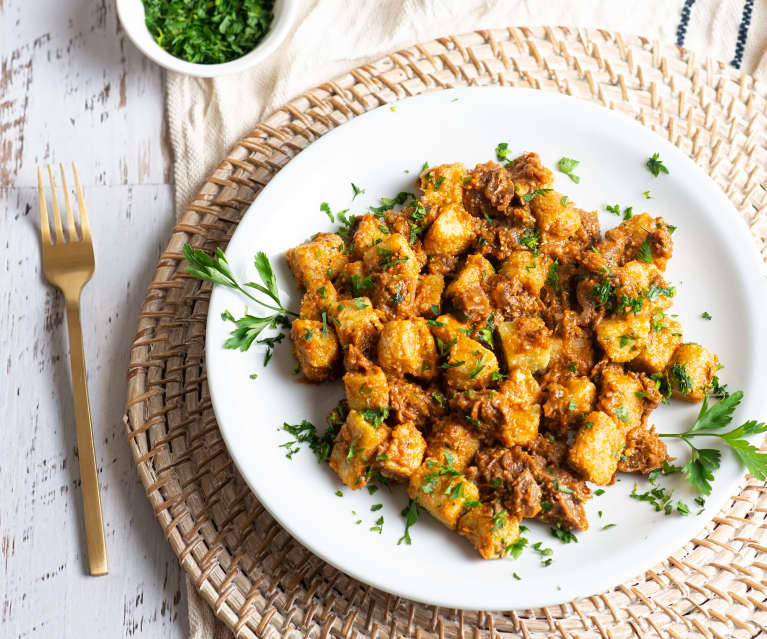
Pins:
x,y
261,582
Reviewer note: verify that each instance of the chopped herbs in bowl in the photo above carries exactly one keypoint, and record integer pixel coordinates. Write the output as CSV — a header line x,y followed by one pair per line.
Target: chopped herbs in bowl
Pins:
x,y
208,31
207,37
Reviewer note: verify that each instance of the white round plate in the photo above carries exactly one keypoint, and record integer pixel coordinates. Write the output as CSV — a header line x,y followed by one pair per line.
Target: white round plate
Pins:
x,y
715,268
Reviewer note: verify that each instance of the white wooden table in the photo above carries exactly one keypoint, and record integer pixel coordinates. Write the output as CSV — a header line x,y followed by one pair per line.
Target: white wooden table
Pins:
x,y
73,87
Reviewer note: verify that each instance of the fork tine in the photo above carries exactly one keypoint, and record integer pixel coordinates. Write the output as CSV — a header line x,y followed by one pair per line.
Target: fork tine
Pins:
x,y
85,229
71,230
56,214
45,229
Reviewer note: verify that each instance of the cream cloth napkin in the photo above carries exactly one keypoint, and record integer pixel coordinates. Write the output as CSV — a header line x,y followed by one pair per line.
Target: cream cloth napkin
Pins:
x,y
330,37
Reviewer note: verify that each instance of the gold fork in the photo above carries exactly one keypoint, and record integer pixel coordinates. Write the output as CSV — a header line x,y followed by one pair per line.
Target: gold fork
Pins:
x,y
68,264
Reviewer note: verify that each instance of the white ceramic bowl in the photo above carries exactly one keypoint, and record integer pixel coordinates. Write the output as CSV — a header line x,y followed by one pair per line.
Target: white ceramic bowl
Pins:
x,y
131,14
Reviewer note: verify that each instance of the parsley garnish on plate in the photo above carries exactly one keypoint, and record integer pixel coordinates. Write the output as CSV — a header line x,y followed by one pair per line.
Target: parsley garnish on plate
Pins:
x,y
306,433
249,327
356,190
325,208
502,153
706,315
410,513
699,471
379,525
565,535
655,165
567,166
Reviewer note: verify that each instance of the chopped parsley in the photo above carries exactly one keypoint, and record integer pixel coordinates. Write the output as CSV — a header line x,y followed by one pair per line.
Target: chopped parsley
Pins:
x,y
515,548
325,208
306,432
645,253
561,488
614,208
485,334
388,203
200,32
357,190
530,239
502,152
474,422
706,315
478,366
360,284
567,166
543,552
680,379
552,279
499,521
622,413
647,195
565,535
375,416
529,197
379,525
655,165
410,513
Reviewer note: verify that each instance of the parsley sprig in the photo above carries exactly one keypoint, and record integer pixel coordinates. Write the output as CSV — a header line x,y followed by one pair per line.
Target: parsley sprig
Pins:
x,y
699,471
249,327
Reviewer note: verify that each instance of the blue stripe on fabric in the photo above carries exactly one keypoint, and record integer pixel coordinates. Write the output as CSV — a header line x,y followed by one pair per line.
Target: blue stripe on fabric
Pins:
x,y
740,44
684,20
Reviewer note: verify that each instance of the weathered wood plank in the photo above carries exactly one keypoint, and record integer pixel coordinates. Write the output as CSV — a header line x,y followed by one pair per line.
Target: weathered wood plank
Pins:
x,y
43,585
72,87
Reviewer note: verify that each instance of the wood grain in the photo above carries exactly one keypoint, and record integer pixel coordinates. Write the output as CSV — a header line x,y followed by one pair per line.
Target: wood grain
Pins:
x,y
72,87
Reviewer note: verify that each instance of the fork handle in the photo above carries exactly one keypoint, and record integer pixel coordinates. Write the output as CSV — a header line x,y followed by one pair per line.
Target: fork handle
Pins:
x,y
94,524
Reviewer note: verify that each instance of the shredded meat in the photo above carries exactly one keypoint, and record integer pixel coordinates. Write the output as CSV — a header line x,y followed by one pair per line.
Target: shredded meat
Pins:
x,y
489,191
413,403
528,486
528,174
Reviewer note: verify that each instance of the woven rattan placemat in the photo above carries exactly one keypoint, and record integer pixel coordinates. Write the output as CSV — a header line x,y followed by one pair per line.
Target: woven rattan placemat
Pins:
x,y
258,580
